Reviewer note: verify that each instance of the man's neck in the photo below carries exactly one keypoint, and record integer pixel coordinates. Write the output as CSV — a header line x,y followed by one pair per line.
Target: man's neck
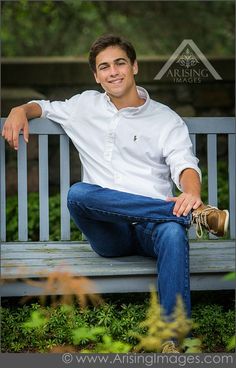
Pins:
x,y
131,100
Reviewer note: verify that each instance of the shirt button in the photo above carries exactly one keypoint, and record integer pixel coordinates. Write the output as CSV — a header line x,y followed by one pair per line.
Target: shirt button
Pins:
x,y
107,155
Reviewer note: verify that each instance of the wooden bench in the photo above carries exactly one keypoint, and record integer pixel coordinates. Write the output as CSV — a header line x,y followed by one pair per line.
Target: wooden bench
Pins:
x,y
22,260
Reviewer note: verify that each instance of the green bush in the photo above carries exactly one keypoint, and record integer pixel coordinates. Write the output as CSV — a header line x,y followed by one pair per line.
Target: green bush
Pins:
x,y
215,326
117,317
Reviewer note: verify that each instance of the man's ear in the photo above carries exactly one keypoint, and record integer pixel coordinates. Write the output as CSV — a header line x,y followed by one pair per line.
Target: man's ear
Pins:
x,y
96,78
135,67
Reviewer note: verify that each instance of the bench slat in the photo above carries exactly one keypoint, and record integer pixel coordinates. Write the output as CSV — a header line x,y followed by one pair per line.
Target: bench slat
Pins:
x,y
209,125
121,284
65,184
232,209
22,190
197,125
43,188
2,191
212,171
85,247
80,258
191,231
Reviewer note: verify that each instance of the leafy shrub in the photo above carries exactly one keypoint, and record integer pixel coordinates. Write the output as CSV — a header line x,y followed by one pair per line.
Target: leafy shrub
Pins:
x,y
117,317
215,326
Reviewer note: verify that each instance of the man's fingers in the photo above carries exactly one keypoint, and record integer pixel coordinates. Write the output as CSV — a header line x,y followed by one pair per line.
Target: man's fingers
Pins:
x,y
26,133
3,132
172,199
187,210
197,204
15,139
180,207
8,136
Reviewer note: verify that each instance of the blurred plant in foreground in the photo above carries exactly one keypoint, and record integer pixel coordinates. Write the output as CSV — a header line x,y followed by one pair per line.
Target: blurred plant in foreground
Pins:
x,y
157,328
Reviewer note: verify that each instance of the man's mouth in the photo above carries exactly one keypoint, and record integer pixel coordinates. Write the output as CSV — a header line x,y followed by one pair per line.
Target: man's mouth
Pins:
x,y
116,81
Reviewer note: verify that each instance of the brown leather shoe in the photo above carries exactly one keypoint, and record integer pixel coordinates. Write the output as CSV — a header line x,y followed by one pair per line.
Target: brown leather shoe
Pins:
x,y
169,347
212,219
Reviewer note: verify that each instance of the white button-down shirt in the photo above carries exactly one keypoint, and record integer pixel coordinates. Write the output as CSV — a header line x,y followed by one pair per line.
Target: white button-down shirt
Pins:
x,y
134,149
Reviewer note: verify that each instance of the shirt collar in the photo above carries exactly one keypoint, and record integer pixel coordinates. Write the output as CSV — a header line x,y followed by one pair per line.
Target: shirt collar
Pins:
x,y
131,110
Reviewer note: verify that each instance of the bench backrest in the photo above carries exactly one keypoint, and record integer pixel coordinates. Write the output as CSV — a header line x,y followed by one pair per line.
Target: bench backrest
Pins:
x,y
44,127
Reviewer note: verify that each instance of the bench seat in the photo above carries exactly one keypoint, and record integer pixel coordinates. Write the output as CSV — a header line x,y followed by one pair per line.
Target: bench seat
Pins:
x,y
209,262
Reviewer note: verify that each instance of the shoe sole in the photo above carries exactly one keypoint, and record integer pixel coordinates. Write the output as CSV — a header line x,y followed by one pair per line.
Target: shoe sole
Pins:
x,y
226,224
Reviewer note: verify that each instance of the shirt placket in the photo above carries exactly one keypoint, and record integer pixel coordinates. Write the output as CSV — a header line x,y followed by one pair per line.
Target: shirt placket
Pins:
x,y
110,138
109,145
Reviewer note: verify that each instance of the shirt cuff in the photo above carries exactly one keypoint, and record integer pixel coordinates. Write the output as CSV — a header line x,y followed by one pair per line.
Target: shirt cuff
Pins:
x,y
41,104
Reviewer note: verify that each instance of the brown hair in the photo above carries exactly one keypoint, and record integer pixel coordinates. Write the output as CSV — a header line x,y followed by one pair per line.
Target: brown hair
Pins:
x,y
110,40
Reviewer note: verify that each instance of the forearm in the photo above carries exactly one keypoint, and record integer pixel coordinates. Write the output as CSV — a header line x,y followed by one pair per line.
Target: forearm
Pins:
x,y
191,196
190,182
31,110
18,120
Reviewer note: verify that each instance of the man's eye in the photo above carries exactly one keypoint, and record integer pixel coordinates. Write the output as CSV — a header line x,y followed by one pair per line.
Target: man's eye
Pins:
x,y
102,67
121,63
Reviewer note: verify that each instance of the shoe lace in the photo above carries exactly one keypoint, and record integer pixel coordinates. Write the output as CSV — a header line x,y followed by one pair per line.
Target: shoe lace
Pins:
x,y
199,219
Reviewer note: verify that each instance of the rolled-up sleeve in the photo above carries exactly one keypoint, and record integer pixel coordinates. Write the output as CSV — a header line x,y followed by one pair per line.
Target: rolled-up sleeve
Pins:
x,y
58,111
177,151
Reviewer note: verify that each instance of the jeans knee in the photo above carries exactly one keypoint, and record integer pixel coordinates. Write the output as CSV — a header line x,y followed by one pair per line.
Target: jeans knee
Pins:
x,y
172,237
78,192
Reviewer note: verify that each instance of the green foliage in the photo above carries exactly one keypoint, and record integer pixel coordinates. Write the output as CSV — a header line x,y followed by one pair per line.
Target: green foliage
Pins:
x,y
231,345
67,325
85,334
230,276
215,326
50,28
37,320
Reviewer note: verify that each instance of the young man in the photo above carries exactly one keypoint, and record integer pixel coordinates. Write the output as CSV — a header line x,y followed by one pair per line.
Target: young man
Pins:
x,y
130,147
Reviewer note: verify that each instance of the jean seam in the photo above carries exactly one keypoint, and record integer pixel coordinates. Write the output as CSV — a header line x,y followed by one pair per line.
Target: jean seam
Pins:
x,y
181,221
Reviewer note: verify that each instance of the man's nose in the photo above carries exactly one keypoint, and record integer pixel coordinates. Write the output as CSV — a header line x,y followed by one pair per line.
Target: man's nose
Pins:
x,y
113,70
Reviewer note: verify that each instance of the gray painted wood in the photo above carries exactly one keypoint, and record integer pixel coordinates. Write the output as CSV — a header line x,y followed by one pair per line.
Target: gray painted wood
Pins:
x,y
232,210
212,171
43,188
22,190
203,125
65,184
193,140
2,191
206,125
124,284
27,260
209,262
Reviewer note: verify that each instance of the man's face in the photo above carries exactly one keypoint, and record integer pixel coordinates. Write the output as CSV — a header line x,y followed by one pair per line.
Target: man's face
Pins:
x,y
115,72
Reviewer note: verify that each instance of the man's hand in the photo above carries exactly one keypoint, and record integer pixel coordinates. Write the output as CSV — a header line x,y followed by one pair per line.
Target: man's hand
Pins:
x,y
185,203
16,121
191,197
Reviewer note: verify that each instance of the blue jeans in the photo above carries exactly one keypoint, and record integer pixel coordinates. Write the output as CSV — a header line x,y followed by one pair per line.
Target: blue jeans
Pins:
x,y
121,224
